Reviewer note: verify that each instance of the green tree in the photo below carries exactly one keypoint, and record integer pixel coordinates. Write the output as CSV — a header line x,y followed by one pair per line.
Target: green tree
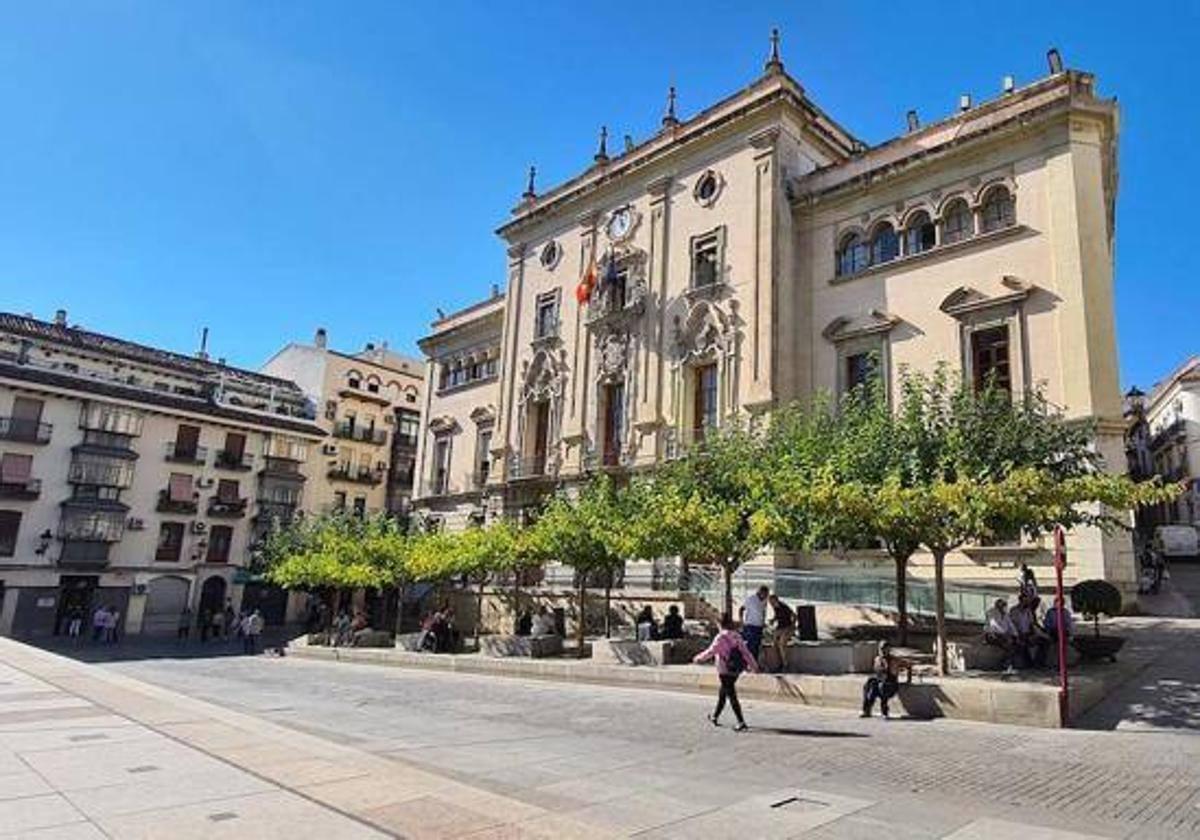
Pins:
x,y
710,506
585,531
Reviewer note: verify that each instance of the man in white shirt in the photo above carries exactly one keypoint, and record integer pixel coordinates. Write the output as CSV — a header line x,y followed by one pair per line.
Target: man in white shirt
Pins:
x,y
754,617
1001,633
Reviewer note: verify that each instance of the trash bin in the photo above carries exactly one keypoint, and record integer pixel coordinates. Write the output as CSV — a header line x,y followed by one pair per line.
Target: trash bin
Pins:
x,y
806,622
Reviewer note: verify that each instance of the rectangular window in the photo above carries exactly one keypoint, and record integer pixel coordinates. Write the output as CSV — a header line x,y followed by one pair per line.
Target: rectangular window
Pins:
x,y
989,358
228,490
111,418
407,428
547,315
360,506
441,466
220,538
704,407
616,294
235,447
860,370
706,258
483,456
614,421
15,468
10,523
339,500
26,422
180,487
170,542
187,441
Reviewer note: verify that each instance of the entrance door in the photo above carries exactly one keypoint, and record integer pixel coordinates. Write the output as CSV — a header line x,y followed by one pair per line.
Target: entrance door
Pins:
x,y
76,593
212,595
541,436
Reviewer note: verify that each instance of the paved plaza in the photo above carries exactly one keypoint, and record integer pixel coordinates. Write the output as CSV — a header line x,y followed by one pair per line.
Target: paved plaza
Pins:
x,y
622,762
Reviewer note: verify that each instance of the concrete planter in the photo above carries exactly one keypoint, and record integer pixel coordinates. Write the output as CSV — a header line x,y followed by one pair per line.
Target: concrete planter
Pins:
x,y
533,647
652,653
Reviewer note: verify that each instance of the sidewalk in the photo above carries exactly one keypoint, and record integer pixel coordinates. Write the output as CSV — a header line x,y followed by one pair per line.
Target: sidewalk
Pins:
x,y
89,754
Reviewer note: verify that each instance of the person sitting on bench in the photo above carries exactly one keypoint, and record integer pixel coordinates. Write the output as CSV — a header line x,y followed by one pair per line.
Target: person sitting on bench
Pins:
x,y
672,626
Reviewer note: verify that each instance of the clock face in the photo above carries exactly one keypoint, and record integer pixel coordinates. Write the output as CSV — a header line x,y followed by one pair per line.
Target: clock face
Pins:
x,y
620,222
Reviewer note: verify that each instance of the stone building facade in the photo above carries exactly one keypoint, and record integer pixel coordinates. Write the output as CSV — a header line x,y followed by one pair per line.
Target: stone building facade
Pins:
x,y
759,252
137,478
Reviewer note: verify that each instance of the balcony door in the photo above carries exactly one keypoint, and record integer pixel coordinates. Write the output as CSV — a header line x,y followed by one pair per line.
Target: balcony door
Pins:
x,y
614,417
187,441
235,447
541,435
26,417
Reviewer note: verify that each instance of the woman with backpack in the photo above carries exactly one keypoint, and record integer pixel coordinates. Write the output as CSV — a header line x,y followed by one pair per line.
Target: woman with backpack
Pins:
x,y
732,657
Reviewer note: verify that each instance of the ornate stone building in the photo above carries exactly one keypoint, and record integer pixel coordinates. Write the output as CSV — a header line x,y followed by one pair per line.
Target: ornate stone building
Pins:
x,y
758,252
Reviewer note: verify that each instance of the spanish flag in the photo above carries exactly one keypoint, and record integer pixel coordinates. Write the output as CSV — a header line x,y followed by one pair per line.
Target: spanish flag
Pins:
x,y
583,292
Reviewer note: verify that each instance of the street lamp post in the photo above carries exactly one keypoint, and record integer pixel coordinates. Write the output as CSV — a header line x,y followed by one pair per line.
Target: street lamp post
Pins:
x,y
1060,560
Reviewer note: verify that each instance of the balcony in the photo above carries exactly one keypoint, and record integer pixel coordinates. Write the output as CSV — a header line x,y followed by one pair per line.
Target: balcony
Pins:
x,y
276,510
227,508
403,441
535,467
168,505
185,455
358,475
24,488
284,468
84,554
347,431
101,473
365,396
24,431
240,461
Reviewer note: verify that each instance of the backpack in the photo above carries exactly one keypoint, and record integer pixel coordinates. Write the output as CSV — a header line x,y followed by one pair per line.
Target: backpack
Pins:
x,y
734,663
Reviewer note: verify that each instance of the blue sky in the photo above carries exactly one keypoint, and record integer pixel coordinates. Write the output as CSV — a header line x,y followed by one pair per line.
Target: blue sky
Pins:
x,y
266,168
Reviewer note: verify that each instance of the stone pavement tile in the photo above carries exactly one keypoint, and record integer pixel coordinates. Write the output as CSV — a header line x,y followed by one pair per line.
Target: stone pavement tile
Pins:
x,y
428,817
20,717
17,694
209,734
312,771
857,827
95,718
561,827
166,790
20,815
21,784
366,793
37,740
99,764
990,828
638,812
57,700
74,831
274,814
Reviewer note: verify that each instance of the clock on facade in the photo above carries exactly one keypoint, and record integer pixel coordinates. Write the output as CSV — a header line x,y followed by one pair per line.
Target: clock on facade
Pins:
x,y
620,222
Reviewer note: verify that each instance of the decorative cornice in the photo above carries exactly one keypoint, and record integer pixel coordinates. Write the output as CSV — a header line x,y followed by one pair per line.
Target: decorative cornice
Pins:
x,y
845,328
965,300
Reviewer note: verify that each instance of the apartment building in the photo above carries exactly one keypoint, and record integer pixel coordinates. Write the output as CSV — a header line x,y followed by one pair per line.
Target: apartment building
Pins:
x,y
137,478
369,404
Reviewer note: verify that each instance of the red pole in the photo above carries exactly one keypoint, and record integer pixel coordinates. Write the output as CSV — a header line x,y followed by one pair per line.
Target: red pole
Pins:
x,y
1060,560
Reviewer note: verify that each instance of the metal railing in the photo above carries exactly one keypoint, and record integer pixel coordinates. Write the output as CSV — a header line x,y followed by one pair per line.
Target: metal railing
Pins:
x,y
25,488
24,431
185,455
233,460
168,505
362,434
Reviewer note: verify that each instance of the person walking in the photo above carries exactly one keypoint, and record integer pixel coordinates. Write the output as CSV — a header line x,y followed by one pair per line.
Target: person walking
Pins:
x,y
754,618
185,624
218,624
733,656
111,625
252,627
99,622
75,623
230,619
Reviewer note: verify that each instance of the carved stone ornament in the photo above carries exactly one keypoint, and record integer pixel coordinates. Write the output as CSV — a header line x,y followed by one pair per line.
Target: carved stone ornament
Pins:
x,y
542,378
612,352
704,334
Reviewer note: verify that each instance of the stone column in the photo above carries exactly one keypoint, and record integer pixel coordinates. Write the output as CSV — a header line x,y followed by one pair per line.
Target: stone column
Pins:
x,y
649,416
760,309
509,370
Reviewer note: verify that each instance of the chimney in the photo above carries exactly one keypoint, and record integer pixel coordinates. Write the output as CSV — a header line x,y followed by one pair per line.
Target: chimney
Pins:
x,y
914,122
321,338
1009,84
202,354
1054,59
60,318
495,290
370,347
964,102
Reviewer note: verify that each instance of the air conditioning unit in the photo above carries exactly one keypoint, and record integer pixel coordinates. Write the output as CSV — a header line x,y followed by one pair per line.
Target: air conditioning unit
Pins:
x,y
204,482
329,449
199,527
135,524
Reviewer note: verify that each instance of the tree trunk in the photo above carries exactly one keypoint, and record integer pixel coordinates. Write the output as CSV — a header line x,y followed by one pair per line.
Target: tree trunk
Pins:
x,y
580,629
399,609
901,600
728,572
939,581
479,612
608,605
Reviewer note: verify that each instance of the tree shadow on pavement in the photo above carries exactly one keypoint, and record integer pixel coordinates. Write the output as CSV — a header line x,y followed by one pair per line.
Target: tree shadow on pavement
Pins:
x,y
135,648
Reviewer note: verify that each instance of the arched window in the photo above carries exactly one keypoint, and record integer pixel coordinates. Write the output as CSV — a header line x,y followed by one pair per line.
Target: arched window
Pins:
x,y
957,223
885,245
852,256
998,210
920,235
